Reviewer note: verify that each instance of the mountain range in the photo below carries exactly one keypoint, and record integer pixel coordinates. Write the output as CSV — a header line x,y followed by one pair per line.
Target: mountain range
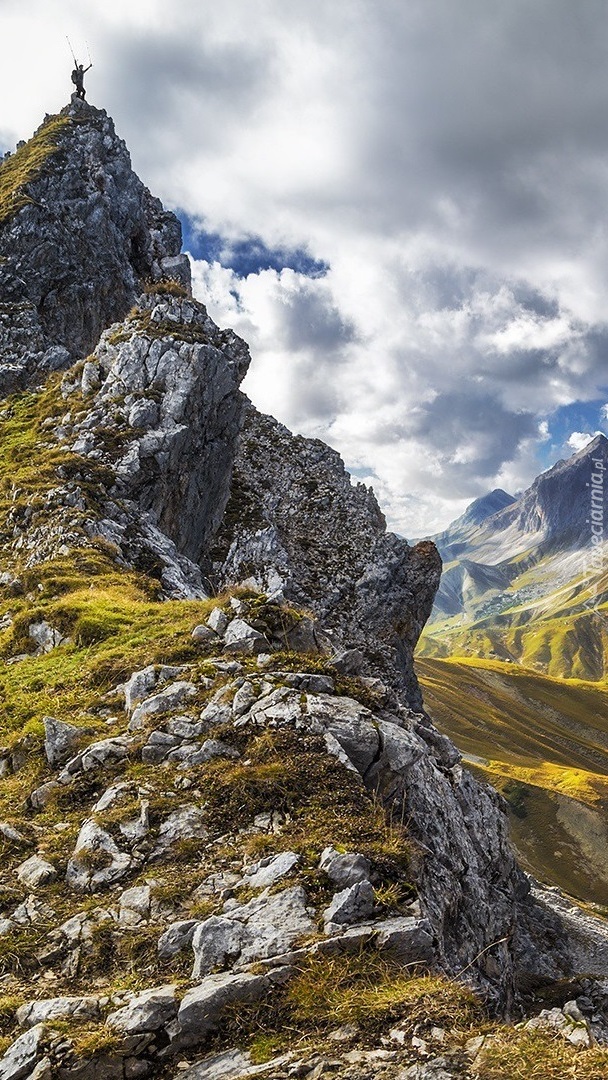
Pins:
x,y
526,579
513,662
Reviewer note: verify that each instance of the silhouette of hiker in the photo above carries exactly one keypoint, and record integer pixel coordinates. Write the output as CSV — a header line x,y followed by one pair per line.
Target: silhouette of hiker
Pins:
x,y
78,75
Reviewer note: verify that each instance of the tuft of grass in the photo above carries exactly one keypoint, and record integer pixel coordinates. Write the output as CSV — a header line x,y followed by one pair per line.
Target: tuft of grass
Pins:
x,y
139,323
166,285
370,991
25,165
539,1055
325,803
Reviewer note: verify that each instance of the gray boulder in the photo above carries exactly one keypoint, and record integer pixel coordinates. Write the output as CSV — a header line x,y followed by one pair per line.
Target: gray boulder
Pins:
x,y
167,700
217,943
139,686
48,1009
204,635
267,871
266,926
145,1012
202,1007
59,740
176,937
273,923
36,871
352,905
407,939
134,906
187,823
240,637
244,699
97,861
344,870
45,637
218,620
20,1058
98,755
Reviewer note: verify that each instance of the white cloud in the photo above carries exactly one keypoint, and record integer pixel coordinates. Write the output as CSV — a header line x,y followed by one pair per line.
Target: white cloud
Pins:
x,y
448,161
579,439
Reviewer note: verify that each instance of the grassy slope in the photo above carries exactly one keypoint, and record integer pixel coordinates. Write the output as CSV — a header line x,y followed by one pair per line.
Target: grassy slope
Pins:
x,y
26,165
544,743
560,629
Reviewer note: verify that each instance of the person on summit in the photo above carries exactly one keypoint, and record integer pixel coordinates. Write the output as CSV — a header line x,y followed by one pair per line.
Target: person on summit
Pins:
x,y
78,75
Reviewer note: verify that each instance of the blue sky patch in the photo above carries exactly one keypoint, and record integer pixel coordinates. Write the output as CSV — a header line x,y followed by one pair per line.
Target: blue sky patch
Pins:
x,y
585,416
248,255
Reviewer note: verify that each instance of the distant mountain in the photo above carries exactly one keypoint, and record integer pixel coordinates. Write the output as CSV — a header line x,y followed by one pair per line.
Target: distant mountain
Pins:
x,y
456,537
525,578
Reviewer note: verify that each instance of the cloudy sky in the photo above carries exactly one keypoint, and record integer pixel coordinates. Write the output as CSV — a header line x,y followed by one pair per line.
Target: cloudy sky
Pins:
x,y
402,205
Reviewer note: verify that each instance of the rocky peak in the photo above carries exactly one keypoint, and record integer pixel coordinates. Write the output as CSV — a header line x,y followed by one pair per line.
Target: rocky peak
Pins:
x,y
485,506
557,505
79,234
297,524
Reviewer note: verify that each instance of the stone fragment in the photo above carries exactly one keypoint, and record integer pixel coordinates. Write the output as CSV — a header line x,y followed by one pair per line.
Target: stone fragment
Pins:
x,y
36,871
268,871
187,823
48,1009
273,923
408,940
240,637
349,661
224,1066
266,926
204,635
165,701
145,1012
352,905
243,699
45,637
344,870
350,723
176,937
568,1022
217,942
97,860
97,755
437,1069
41,796
139,686
10,833
195,754
59,740
218,620
134,906
202,1007
21,1057
32,912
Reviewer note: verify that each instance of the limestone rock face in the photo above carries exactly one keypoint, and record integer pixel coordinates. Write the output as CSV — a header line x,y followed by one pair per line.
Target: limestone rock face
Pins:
x,y
75,255
164,388
295,522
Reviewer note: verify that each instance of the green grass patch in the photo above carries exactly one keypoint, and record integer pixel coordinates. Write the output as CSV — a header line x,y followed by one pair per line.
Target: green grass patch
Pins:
x,y
25,165
538,1055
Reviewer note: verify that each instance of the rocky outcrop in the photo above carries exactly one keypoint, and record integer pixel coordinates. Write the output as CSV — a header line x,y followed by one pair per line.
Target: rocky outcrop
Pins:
x,y
75,254
162,407
297,524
